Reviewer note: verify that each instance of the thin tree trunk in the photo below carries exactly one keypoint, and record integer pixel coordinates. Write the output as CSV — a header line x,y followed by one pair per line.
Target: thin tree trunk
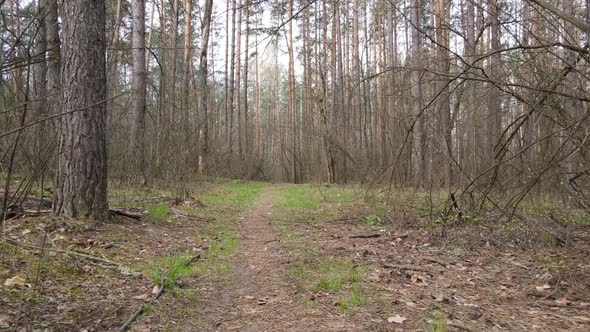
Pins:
x,y
238,81
188,63
138,88
291,95
231,81
246,58
39,86
205,27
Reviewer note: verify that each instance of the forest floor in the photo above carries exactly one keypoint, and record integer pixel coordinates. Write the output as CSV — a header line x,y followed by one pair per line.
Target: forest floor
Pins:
x,y
245,256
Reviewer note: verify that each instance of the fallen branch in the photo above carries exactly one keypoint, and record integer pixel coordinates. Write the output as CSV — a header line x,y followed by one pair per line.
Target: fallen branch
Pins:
x,y
16,212
178,214
434,260
412,268
519,265
345,219
126,213
68,252
191,260
368,236
141,308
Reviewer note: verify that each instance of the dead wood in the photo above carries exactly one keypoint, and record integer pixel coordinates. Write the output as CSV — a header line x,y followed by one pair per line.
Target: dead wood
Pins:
x,y
69,253
179,214
416,268
345,219
141,308
192,259
136,215
366,236
434,260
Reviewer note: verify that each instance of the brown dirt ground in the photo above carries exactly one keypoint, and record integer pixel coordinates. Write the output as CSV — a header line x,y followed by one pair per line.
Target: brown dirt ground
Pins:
x,y
476,281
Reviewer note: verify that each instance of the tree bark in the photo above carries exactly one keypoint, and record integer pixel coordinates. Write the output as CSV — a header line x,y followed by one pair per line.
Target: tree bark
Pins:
x,y
138,89
39,86
206,24
81,175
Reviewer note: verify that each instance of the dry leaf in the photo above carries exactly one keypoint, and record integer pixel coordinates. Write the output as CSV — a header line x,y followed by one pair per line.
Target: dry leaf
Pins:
x,y
563,301
141,297
16,281
397,319
88,269
156,289
542,288
4,321
26,231
59,237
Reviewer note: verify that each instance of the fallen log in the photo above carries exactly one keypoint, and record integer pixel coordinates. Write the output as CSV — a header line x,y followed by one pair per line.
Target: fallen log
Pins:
x,y
126,213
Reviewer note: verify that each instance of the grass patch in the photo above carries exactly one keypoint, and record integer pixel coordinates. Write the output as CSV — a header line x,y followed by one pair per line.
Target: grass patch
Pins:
x,y
331,275
225,243
159,211
296,204
357,298
234,192
435,324
170,269
311,197
297,197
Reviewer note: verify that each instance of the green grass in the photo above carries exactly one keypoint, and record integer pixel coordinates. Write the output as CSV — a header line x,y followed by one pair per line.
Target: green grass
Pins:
x,y
333,275
436,324
294,204
169,269
311,197
159,211
357,297
297,197
225,243
234,192
328,274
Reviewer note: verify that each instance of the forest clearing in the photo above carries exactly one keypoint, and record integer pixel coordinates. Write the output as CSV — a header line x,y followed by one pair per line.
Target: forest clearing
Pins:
x,y
250,256
294,165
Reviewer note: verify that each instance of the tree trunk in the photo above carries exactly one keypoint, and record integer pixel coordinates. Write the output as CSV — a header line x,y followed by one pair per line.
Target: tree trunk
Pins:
x,y
188,63
444,104
206,24
53,57
246,59
39,86
416,90
494,102
138,90
291,95
238,81
81,175
231,84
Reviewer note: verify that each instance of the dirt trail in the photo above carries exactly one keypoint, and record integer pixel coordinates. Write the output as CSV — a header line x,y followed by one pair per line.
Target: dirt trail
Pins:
x,y
259,298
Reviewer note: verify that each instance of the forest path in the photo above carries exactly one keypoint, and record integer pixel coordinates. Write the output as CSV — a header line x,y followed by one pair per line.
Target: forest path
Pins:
x,y
259,298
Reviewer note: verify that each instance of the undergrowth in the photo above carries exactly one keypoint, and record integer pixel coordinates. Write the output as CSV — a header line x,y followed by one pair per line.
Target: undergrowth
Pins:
x,y
333,275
